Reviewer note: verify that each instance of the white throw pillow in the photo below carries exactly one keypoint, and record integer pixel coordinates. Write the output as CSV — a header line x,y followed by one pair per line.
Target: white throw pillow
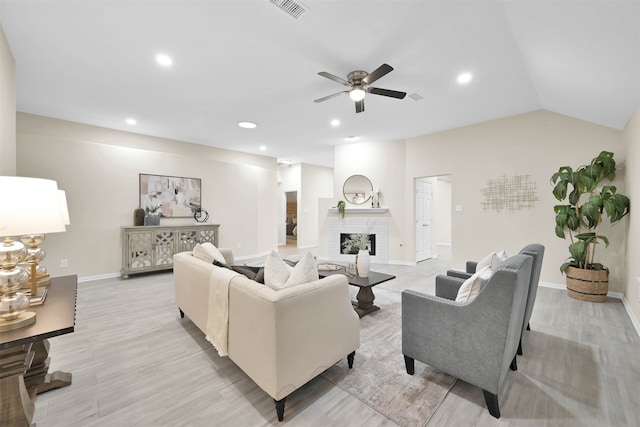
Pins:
x,y
473,285
501,256
486,261
306,270
276,271
208,252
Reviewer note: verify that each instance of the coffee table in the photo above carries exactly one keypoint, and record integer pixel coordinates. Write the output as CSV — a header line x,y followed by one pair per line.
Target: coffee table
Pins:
x,y
365,297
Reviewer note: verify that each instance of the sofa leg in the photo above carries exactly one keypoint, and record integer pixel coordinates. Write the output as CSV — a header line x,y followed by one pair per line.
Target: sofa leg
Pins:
x,y
280,408
410,365
514,365
528,326
492,403
520,347
350,359
181,313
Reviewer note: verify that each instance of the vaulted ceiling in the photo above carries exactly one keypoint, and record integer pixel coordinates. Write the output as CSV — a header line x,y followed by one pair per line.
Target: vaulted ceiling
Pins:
x,y
247,60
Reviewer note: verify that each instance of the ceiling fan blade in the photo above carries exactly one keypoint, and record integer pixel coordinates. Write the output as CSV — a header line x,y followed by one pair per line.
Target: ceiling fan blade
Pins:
x,y
334,78
387,92
360,106
330,96
381,71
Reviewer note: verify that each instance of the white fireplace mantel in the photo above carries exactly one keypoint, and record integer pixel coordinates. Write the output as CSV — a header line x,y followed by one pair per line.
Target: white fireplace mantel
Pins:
x,y
360,210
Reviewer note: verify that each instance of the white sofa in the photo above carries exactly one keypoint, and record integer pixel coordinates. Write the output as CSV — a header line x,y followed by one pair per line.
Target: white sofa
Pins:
x,y
280,339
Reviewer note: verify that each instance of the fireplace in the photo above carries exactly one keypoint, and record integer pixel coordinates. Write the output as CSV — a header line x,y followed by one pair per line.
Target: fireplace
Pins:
x,y
376,228
353,250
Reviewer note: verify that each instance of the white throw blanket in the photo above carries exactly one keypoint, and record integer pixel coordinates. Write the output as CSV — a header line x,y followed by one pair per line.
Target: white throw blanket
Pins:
x,y
218,317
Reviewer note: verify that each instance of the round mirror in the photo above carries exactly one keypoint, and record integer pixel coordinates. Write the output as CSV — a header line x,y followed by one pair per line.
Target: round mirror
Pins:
x,y
357,189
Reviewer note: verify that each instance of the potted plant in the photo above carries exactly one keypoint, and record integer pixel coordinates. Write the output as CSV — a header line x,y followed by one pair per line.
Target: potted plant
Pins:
x,y
341,206
152,215
360,242
589,202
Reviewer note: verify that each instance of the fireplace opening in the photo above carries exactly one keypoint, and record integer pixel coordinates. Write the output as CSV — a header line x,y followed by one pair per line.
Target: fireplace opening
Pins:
x,y
350,249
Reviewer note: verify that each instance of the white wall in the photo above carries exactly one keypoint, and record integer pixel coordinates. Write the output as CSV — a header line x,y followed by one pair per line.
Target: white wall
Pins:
x,y
632,181
441,213
7,108
99,170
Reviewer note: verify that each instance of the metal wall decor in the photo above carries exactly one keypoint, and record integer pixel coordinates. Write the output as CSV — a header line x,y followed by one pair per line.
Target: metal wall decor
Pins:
x,y
509,193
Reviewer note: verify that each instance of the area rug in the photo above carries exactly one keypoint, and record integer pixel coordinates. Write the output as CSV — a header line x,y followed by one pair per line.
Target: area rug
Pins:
x,y
379,378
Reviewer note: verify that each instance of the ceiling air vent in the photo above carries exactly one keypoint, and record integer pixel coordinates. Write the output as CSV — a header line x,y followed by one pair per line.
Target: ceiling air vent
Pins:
x,y
416,96
292,8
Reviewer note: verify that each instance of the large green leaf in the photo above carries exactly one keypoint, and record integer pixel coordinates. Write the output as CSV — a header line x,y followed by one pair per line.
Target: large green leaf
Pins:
x,y
578,251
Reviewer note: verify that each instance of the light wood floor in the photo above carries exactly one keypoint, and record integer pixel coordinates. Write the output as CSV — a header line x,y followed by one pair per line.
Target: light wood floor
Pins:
x,y
136,363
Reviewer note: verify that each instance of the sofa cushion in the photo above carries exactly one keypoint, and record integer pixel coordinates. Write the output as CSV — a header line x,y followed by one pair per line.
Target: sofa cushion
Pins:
x,y
208,252
253,273
278,275
473,285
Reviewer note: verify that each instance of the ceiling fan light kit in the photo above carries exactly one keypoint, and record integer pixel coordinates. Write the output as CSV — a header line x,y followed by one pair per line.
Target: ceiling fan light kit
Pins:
x,y
359,82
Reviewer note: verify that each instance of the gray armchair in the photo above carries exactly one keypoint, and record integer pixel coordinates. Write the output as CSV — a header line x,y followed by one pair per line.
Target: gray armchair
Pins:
x,y
447,286
475,341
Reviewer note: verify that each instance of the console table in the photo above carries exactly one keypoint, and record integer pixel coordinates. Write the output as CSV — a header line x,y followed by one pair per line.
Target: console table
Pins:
x,y
151,248
24,353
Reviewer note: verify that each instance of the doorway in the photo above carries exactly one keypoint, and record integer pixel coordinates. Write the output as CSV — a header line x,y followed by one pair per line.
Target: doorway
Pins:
x,y
424,213
291,218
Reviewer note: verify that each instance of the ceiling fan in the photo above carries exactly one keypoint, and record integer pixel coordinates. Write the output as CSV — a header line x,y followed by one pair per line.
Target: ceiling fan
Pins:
x,y
359,82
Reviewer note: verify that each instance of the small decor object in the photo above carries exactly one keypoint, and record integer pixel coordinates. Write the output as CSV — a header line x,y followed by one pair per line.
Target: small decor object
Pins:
x,y
138,217
361,242
363,261
589,203
341,206
201,215
178,197
152,216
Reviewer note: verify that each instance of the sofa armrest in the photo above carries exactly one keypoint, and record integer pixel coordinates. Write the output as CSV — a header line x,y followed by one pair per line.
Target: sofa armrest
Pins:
x,y
448,286
191,286
282,339
459,273
471,266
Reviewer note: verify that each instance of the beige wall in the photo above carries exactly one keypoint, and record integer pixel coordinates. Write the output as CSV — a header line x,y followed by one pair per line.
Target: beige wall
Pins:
x,y
99,170
7,108
441,213
533,144
316,183
632,141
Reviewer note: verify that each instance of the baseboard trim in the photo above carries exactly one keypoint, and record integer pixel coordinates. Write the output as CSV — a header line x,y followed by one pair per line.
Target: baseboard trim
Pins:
x,y
618,295
98,277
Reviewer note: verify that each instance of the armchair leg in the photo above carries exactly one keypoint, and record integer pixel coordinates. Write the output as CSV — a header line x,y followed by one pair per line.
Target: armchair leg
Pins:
x,y
181,313
350,359
514,365
409,363
280,408
492,403
520,347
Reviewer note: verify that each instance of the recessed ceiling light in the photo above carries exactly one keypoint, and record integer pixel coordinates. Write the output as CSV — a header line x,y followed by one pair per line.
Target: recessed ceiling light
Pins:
x,y
464,78
164,60
335,122
131,121
263,148
247,125
284,162
351,138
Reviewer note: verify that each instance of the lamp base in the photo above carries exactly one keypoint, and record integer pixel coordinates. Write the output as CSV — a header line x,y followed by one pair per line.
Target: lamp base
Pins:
x,y
24,319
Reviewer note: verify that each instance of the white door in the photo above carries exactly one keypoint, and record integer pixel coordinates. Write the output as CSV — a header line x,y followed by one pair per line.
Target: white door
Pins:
x,y
424,197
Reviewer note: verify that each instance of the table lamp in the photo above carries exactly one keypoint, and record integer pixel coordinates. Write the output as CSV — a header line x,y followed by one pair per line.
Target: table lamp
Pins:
x,y
29,206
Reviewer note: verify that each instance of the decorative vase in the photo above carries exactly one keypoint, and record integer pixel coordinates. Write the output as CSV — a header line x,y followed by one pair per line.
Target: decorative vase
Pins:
x,y
152,220
138,217
587,285
362,262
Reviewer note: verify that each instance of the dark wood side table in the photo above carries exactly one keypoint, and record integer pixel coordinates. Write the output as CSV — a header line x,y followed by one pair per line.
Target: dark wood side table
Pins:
x,y
365,297
24,353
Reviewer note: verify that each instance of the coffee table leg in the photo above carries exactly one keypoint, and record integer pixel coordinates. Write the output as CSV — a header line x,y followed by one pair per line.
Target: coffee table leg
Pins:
x,y
364,301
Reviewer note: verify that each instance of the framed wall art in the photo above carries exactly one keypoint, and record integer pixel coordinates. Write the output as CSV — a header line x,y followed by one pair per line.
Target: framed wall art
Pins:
x,y
177,197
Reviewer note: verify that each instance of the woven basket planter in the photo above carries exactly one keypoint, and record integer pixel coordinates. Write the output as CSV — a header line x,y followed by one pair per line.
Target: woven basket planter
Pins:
x,y
587,285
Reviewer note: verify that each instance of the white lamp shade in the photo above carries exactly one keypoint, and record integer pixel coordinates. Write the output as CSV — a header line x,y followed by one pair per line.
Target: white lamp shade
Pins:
x,y
63,207
29,206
